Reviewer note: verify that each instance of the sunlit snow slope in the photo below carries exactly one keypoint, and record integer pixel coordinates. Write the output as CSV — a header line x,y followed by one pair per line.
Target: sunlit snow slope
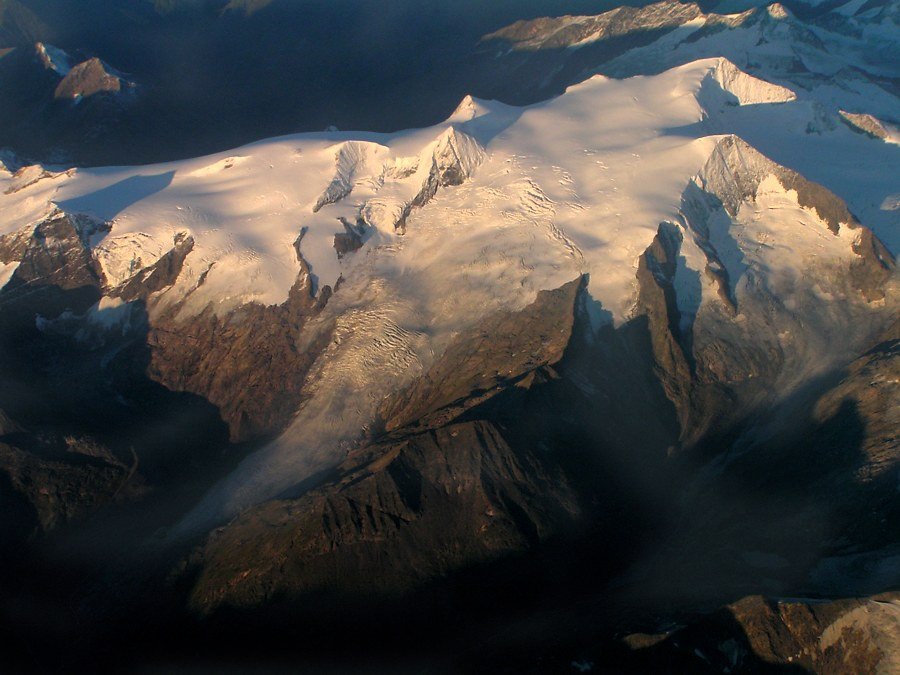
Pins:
x,y
424,232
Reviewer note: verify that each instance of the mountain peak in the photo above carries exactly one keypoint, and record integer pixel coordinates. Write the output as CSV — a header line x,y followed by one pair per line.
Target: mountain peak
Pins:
x,y
778,11
745,88
736,169
468,109
86,79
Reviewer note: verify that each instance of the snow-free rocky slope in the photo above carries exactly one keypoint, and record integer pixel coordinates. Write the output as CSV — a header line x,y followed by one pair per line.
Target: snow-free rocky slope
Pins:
x,y
527,341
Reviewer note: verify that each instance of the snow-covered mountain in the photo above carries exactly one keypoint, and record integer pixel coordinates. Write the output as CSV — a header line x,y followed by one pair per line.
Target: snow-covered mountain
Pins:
x,y
840,65
848,53
660,306
496,204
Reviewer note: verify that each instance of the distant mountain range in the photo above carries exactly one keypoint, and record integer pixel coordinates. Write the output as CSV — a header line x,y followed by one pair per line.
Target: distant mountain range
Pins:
x,y
220,73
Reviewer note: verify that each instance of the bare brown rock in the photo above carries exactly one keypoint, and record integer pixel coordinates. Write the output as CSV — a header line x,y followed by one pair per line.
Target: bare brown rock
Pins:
x,y
87,79
397,514
250,363
756,634
432,497
501,351
55,255
562,32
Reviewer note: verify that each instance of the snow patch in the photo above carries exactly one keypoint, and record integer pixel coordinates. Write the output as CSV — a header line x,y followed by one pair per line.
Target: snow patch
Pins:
x,y
6,272
216,167
110,313
124,256
54,58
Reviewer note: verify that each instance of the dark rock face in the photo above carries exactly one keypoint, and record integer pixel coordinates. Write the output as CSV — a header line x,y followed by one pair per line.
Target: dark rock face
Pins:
x,y
699,366
803,497
252,363
657,299
249,363
161,274
435,495
350,240
504,351
545,33
56,254
760,635
532,60
875,266
56,273
872,384
84,430
429,503
59,480
83,427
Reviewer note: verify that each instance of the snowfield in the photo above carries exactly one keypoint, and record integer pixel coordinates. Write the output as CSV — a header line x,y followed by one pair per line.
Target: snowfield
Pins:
x,y
576,184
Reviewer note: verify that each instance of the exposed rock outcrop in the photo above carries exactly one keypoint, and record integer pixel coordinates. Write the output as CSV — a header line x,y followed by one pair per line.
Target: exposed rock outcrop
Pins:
x,y
251,363
161,274
59,480
871,125
569,31
57,254
429,503
502,352
757,634
435,495
87,79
